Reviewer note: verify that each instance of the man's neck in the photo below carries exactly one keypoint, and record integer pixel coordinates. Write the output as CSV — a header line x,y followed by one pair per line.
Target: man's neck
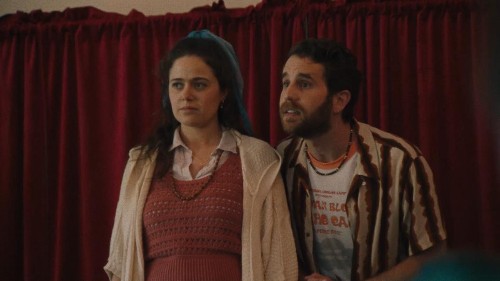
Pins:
x,y
331,145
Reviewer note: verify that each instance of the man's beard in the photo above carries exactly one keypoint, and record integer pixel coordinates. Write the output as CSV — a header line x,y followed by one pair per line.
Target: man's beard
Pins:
x,y
317,123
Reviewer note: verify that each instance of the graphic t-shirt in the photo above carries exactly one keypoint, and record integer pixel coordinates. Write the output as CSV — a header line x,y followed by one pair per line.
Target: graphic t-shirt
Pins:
x,y
333,244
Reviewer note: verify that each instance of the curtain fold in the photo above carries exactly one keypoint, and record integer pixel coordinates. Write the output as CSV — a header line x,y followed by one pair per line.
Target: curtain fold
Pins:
x,y
79,88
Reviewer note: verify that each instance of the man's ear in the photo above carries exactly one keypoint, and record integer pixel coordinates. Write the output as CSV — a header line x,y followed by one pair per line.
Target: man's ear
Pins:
x,y
340,100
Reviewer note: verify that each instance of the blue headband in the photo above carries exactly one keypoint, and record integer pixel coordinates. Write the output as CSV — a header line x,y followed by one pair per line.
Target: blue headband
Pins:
x,y
237,85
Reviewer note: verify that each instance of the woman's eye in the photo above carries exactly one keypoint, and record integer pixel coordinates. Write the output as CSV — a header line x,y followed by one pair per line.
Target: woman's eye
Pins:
x,y
199,86
285,84
176,85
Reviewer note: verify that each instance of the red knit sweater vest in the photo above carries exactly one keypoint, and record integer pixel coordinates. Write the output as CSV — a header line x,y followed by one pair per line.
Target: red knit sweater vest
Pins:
x,y
198,239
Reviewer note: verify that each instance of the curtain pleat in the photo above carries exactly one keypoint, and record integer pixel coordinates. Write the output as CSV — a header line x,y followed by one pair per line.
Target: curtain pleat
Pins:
x,y
79,88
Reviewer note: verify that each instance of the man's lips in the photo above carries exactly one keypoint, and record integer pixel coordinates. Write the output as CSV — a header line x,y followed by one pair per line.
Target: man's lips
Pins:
x,y
290,114
289,110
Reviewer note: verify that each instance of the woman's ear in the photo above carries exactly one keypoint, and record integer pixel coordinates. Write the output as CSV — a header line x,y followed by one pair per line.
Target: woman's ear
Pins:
x,y
340,100
224,96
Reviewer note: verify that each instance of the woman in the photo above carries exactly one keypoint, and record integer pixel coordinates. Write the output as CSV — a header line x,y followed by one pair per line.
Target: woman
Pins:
x,y
201,200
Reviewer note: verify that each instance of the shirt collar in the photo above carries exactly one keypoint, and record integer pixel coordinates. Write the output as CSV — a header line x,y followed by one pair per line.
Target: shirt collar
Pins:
x,y
227,141
369,162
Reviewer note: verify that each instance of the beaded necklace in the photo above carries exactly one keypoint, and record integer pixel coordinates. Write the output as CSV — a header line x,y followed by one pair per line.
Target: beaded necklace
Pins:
x,y
341,163
183,197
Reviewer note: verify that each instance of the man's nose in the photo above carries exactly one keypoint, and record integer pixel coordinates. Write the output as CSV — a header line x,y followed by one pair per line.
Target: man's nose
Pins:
x,y
289,93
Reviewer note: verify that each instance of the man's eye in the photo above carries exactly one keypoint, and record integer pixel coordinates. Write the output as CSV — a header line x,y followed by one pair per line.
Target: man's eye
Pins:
x,y
304,85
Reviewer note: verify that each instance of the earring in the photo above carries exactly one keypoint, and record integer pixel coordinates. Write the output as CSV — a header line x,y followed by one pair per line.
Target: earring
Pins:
x,y
221,106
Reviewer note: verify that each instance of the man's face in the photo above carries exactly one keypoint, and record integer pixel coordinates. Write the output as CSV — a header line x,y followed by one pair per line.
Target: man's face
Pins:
x,y
305,107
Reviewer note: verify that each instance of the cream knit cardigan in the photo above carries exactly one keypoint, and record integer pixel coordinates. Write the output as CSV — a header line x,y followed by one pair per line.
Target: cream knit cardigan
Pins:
x,y
268,248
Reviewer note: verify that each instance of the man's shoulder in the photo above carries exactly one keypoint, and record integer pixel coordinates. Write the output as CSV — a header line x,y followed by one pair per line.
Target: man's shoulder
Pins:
x,y
284,143
287,144
373,136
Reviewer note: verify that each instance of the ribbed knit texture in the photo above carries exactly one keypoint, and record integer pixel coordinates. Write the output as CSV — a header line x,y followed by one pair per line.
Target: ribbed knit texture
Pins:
x,y
198,239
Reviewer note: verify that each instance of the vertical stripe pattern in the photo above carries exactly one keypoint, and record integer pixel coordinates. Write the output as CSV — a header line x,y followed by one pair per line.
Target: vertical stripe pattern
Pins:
x,y
392,205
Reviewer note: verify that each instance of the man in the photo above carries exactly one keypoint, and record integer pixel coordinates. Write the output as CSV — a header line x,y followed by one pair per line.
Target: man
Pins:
x,y
362,201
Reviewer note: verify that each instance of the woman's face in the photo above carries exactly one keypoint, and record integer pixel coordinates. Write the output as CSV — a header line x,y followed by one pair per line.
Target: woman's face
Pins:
x,y
194,92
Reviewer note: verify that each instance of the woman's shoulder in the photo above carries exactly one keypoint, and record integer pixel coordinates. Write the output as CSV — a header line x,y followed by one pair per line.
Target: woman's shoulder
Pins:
x,y
256,151
135,152
253,143
140,154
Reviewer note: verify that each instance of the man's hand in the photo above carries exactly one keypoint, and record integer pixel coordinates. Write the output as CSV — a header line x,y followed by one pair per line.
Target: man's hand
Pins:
x,y
407,269
317,277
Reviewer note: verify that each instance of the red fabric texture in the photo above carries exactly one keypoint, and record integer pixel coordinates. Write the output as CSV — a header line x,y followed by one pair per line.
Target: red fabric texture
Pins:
x,y
79,88
204,228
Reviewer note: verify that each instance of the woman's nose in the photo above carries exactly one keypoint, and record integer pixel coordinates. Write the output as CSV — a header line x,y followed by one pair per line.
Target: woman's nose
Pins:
x,y
187,93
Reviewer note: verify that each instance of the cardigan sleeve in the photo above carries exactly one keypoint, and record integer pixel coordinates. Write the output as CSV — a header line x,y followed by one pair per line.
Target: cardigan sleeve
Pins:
x,y
119,233
278,246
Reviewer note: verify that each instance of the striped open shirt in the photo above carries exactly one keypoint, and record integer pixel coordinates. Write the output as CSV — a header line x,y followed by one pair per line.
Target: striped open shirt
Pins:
x,y
392,205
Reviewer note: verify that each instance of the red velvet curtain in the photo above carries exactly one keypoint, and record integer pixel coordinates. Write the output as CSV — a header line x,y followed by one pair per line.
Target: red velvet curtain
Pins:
x,y
79,88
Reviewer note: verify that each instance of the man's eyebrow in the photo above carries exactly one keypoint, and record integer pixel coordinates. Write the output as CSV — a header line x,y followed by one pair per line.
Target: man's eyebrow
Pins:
x,y
305,75
300,75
